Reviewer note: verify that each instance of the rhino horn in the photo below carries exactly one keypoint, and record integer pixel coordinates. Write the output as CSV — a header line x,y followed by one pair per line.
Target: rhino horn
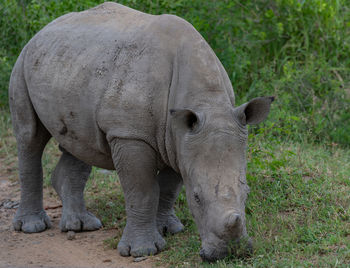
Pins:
x,y
232,220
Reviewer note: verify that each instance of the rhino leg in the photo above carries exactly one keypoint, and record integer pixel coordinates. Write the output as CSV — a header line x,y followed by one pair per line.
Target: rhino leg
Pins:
x,y
30,216
170,184
69,179
136,165
31,137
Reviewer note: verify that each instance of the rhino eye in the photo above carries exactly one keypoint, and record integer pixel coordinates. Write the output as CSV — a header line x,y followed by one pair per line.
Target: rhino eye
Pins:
x,y
196,197
191,121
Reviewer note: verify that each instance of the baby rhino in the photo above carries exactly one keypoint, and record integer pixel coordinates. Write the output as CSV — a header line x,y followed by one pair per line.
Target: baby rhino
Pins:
x,y
143,95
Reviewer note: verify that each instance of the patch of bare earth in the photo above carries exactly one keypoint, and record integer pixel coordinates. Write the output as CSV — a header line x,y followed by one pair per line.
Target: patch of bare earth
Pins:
x,y
51,248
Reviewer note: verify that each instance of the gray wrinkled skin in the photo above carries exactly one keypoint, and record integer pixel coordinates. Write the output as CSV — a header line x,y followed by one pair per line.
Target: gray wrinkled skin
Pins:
x,y
144,95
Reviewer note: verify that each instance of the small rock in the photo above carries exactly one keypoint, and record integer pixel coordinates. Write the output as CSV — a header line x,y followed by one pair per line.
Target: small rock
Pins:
x,y
139,259
71,235
108,260
51,234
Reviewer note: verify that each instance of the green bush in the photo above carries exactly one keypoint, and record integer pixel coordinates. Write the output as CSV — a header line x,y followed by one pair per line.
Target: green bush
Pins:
x,y
296,50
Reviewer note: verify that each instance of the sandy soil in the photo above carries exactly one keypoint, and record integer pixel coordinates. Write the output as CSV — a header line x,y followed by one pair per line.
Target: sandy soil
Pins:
x,y
52,248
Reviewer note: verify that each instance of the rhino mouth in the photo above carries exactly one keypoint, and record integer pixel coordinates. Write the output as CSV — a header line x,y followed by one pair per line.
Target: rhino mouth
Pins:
x,y
211,255
241,248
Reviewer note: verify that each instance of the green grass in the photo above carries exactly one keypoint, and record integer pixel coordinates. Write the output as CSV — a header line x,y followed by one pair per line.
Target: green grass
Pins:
x,y
8,159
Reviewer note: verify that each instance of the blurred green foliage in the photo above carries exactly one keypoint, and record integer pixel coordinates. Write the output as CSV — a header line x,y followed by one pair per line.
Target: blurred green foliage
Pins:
x,y
296,50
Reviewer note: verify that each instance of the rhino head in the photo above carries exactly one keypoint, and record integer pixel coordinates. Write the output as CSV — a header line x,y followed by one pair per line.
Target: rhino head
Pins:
x,y
210,152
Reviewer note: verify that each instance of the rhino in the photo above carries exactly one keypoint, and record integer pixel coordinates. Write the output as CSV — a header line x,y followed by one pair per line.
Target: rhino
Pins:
x,y
144,95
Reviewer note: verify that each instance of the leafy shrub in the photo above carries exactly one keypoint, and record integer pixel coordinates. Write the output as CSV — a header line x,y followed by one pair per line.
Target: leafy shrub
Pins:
x,y
296,50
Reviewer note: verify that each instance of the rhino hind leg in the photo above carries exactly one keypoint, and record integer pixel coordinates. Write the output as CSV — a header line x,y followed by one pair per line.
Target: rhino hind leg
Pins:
x,y
32,138
136,165
30,216
170,184
69,179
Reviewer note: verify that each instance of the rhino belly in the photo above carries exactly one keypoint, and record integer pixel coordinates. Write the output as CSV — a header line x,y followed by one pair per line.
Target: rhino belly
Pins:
x,y
79,136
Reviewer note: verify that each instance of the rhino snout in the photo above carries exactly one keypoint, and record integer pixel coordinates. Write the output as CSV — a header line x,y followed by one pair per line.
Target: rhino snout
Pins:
x,y
228,238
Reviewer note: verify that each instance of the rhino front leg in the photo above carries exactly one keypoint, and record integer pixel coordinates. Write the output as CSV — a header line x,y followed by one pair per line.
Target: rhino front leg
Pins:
x,y
170,184
69,179
136,165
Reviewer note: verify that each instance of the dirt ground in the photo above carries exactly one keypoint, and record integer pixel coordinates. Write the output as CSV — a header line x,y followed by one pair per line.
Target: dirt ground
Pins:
x,y
52,248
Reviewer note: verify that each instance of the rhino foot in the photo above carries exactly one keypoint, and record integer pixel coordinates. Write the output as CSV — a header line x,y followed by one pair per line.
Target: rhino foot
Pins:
x,y
31,223
169,224
142,244
84,221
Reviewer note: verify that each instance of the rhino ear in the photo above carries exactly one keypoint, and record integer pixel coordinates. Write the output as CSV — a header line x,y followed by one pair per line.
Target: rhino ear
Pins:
x,y
185,118
254,111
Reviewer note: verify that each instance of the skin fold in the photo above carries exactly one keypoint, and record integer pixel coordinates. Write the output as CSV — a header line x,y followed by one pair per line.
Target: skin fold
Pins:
x,y
143,95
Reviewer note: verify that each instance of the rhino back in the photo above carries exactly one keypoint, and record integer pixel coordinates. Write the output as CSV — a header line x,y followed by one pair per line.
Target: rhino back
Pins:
x,y
97,75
